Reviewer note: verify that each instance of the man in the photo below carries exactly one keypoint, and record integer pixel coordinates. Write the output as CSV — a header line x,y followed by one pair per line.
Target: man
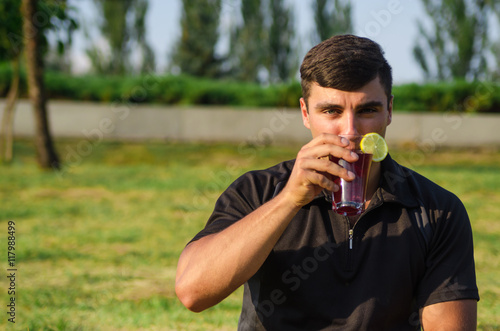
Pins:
x,y
405,262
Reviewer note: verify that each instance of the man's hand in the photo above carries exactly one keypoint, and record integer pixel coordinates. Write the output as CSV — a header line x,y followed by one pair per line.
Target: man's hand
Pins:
x,y
314,171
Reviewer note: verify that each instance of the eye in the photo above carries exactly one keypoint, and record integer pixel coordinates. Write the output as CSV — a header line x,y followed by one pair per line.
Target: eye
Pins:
x,y
332,111
368,110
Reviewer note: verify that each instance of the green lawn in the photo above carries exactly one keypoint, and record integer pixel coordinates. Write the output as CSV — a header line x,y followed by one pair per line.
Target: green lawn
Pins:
x,y
97,243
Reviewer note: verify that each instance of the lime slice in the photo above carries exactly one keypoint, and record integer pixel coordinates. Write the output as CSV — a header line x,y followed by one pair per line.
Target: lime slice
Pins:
x,y
373,143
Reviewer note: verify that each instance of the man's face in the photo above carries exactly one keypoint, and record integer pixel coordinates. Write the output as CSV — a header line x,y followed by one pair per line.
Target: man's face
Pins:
x,y
340,112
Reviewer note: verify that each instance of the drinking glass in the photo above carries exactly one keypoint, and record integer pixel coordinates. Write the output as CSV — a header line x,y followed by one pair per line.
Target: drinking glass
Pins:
x,y
350,199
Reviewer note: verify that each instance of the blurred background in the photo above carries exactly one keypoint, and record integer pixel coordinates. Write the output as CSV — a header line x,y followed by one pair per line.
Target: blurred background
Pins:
x,y
365,18
400,27
123,121
239,54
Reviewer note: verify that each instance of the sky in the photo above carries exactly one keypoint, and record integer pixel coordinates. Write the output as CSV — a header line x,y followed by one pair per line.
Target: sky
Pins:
x,y
391,23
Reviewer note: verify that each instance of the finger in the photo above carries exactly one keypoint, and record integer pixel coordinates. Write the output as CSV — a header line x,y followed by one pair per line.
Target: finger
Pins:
x,y
327,150
328,144
326,138
326,166
321,179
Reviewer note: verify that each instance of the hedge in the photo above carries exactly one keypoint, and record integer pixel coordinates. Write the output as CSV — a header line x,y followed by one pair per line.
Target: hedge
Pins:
x,y
458,96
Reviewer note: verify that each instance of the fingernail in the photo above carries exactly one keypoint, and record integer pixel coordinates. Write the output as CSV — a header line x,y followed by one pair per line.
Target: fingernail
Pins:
x,y
345,141
351,174
353,154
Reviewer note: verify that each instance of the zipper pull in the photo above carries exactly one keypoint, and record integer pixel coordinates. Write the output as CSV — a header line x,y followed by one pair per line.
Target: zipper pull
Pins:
x,y
351,235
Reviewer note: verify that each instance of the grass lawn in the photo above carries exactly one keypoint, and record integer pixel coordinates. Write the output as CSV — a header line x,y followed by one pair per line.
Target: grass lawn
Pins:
x,y
97,243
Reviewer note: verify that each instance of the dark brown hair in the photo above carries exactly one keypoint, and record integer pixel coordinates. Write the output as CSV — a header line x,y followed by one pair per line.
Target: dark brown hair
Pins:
x,y
347,63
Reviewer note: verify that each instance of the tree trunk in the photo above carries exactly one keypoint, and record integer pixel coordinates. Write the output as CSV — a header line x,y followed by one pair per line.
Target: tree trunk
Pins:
x,y
46,154
7,130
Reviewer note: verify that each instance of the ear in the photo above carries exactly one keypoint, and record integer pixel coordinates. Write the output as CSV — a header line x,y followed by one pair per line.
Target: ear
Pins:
x,y
389,109
305,113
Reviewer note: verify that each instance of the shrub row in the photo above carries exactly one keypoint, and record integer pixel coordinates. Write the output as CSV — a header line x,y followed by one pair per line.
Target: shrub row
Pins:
x,y
433,97
182,90
457,96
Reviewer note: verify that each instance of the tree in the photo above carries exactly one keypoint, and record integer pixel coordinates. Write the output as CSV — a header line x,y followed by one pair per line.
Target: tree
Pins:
x,y
30,23
148,57
494,5
59,29
10,50
195,51
122,34
332,17
454,49
282,58
38,17
248,42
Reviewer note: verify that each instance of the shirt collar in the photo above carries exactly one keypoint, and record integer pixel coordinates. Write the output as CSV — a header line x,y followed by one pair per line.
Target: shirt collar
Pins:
x,y
394,186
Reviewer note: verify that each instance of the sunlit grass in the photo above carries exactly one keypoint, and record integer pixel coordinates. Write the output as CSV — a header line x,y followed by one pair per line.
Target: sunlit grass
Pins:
x,y
97,244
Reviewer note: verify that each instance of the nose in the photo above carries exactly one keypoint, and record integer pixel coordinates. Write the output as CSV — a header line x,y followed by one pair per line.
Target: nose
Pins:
x,y
349,124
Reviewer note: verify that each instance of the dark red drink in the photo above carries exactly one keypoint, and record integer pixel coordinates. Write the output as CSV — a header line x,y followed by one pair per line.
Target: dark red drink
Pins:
x,y
350,199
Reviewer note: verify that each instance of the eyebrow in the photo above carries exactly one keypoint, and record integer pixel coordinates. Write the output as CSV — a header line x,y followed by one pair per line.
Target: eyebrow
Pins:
x,y
369,104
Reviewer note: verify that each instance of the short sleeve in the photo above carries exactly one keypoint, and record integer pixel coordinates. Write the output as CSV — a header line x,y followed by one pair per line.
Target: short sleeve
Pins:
x,y
450,270
247,193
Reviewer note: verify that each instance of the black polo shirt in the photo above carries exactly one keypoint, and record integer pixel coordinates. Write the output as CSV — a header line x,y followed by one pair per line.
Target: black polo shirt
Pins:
x,y
412,247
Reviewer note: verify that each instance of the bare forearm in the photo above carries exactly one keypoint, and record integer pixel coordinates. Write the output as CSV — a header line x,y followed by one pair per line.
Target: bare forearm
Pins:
x,y
459,315
213,267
